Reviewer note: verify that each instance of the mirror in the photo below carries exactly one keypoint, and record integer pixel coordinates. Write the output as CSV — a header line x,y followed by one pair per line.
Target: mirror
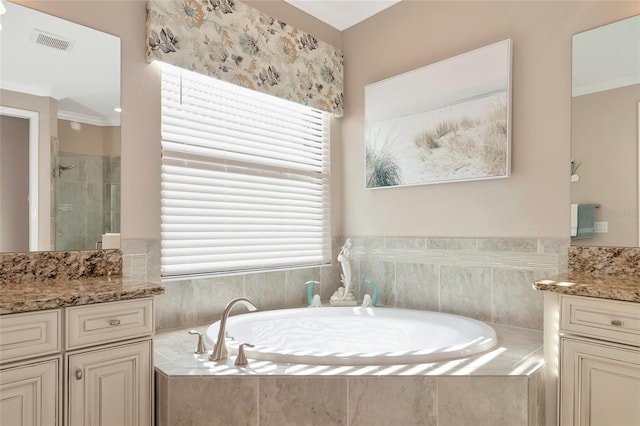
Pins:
x,y
605,127
59,134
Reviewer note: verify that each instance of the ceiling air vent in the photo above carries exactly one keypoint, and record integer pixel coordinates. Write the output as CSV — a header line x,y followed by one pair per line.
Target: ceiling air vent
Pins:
x,y
51,40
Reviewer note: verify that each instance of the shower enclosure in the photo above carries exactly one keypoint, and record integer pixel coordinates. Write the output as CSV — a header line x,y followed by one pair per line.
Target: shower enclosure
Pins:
x,y
85,199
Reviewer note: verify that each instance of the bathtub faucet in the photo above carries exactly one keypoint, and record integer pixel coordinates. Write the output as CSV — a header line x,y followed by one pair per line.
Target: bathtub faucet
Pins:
x,y
374,291
220,349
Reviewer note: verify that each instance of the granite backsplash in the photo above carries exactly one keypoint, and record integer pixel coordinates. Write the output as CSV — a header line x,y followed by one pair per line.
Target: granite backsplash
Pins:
x,y
56,265
605,260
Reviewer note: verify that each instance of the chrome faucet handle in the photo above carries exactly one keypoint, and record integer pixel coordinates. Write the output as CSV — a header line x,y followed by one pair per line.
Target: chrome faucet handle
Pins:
x,y
200,347
241,359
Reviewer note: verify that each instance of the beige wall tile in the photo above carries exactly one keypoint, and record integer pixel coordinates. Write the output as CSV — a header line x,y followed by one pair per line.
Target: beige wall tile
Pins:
x,y
405,243
383,274
508,244
417,286
211,295
385,401
175,307
515,302
161,399
330,280
213,401
466,291
466,244
265,289
482,401
303,401
295,290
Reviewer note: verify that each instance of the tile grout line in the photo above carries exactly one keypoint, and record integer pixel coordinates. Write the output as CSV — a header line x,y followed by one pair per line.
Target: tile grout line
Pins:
x,y
347,419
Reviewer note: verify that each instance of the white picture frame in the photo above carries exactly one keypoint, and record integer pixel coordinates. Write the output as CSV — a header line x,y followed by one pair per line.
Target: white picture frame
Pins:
x,y
445,122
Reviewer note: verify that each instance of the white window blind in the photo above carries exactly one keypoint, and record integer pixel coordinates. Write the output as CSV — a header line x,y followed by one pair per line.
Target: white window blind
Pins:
x,y
245,181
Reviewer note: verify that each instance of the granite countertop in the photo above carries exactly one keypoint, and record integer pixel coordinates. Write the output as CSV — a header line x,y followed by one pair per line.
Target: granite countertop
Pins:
x,y
39,295
624,287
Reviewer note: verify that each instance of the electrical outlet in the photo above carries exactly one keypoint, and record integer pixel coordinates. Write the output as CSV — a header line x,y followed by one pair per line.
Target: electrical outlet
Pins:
x,y
601,227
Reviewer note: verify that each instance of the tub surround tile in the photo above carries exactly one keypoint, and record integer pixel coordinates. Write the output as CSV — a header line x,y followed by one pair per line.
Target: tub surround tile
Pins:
x,y
210,401
553,246
508,244
141,258
175,307
605,260
405,243
383,274
265,290
213,294
161,399
58,265
466,291
536,399
330,281
415,401
604,286
400,267
50,294
420,394
513,301
424,295
302,401
480,401
460,244
295,290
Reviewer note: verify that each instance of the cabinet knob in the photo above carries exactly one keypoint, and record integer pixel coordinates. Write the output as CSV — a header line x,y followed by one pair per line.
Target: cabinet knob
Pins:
x,y
79,374
617,322
114,322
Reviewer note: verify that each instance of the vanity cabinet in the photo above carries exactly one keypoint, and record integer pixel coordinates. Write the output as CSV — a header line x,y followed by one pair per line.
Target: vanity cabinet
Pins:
x,y
599,362
110,386
99,373
30,368
30,394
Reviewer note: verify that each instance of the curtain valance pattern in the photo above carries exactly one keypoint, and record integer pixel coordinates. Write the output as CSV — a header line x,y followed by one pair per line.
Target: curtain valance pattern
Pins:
x,y
234,42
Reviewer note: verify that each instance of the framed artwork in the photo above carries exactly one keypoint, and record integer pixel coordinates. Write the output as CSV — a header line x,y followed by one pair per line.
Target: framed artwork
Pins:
x,y
446,122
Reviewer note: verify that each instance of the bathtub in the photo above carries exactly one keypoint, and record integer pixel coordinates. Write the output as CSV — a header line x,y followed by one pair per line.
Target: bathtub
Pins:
x,y
355,336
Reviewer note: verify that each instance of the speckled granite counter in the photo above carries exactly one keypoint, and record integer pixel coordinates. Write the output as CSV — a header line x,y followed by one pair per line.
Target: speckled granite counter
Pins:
x,y
50,294
605,286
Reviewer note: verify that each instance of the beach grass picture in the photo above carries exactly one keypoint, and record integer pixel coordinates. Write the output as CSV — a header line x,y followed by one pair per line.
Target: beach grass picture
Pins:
x,y
446,122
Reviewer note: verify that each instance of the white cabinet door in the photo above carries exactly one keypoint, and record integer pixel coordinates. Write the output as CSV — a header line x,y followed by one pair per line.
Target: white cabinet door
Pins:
x,y
600,384
30,394
111,386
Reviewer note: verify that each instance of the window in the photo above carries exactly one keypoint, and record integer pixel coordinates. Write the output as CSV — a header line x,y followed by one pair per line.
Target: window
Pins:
x,y
245,179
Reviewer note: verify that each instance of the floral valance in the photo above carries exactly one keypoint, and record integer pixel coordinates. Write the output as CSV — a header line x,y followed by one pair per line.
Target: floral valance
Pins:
x,y
236,43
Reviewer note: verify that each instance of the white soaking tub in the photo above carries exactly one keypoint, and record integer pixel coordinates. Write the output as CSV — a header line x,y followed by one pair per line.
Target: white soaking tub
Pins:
x,y
355,336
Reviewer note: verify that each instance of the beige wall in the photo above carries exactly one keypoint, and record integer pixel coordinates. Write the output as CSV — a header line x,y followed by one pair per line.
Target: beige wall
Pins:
x,y
605,140
88,140
14,184
47,110
534,201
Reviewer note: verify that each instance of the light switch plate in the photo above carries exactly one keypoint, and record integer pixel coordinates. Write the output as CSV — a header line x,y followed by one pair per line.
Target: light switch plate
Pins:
x,y
601,227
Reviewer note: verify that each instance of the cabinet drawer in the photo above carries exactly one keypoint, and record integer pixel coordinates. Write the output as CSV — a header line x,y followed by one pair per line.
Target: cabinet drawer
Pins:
x,y
28,335
615,321
108,322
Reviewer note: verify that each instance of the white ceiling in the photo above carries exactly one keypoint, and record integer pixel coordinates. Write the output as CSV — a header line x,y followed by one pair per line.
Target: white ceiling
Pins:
x,y
342,14
85,80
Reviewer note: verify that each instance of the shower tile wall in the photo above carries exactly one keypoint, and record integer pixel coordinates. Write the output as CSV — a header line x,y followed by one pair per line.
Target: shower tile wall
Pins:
x,y
487,279
88,201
